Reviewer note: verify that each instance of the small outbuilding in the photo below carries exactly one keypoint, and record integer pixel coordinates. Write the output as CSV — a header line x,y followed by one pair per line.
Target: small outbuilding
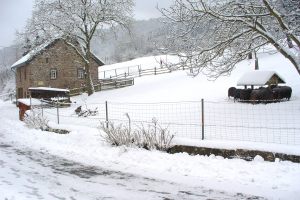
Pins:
x,y
48,93
260,78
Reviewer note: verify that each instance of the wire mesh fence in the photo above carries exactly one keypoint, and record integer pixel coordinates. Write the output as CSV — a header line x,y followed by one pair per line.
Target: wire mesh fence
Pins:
x,y
271,123
268,123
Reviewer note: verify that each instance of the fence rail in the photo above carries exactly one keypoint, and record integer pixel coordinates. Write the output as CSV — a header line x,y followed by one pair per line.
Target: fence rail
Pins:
x,y
208,120
137,71
105,84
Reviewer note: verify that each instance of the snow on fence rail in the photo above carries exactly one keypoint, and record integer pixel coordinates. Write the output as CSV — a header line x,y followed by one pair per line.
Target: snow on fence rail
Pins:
x,y
208,120
138,71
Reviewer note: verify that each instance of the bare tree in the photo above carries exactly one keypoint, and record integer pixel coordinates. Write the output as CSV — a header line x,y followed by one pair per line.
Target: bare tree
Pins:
x,y
8,56
77,22
213,36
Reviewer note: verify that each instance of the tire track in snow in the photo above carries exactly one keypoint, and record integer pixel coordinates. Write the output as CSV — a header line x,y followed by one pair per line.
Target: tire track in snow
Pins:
x,y
66,179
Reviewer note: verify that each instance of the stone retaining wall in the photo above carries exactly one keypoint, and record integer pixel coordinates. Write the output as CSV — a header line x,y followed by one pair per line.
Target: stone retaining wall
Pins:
x,y
238,153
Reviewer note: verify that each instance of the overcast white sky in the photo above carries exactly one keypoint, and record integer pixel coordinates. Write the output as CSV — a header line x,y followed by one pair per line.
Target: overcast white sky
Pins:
x,y
14,13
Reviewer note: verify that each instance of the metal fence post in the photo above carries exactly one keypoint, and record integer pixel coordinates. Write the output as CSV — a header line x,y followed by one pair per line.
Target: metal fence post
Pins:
x,y
57,107
42,108
106,114
30,100
202,118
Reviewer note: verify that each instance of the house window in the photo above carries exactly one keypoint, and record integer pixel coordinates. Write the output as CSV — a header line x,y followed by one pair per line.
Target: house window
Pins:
x,y
80,73
53,74
47,60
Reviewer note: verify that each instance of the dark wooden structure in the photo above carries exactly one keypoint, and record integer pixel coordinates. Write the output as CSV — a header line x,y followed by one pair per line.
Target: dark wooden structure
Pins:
x,y
49,93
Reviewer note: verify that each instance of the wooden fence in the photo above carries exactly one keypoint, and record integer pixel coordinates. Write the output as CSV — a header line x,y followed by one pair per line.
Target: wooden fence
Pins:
x,y
105,84
137,71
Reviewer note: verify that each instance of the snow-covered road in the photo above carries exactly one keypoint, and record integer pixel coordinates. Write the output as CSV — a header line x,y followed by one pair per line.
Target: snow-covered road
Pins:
x,y
31,174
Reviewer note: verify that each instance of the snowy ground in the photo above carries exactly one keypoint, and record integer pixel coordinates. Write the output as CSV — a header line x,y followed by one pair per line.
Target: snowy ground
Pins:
x,y
80,165
33,166
33,174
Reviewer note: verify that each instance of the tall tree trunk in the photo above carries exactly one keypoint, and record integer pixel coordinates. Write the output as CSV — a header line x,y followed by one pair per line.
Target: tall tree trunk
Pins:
x,y
250,55
256,61
88,78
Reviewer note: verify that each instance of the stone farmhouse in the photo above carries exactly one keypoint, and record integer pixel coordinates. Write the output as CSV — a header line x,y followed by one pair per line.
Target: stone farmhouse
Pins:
x,y
55,65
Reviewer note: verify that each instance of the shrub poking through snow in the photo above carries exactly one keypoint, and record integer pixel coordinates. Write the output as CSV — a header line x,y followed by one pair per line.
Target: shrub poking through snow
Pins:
x,y
154,136
149,137
34,119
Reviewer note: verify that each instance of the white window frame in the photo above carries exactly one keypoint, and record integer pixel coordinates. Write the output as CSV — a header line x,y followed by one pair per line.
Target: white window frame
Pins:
x,y
53,73
80,73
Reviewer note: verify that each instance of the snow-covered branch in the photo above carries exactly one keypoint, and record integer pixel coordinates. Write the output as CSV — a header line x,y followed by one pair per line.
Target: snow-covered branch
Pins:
x,y
77,21
214,36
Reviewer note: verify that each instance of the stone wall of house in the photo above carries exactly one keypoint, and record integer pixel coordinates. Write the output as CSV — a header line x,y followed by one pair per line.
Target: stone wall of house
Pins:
x,y
58,56
23,81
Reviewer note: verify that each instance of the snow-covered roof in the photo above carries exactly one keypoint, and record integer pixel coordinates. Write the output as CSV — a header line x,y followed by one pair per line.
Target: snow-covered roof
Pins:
x,y
31,55
32,102
258,78
49,89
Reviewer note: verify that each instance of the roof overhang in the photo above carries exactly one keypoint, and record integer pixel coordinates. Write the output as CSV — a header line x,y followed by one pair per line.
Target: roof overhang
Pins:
x,y
258,78
48,89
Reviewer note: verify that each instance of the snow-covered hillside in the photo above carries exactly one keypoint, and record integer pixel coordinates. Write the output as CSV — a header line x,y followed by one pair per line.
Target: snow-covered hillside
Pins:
x,y
175,100
178,86
225,120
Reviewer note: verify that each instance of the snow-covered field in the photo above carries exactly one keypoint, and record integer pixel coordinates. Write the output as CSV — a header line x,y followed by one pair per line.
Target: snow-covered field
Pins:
x,y
175,101
278,180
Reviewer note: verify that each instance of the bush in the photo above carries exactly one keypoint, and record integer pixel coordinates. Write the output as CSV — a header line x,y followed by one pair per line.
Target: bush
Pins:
x,y
34,119
150,137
